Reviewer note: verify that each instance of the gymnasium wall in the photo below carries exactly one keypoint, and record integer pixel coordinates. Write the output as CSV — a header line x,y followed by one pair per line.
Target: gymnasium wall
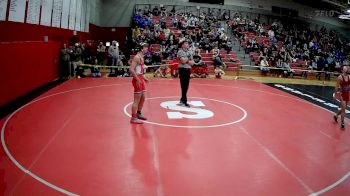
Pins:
x,y
26,66
30,53
28,61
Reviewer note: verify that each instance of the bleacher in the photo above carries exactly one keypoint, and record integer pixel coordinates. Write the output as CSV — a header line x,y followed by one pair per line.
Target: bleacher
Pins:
x,y
206,57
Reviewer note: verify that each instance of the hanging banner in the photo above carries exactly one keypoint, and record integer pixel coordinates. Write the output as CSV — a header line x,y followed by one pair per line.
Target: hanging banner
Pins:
x,y
83,16
17,10
72,11
65,14
33,11
87,17
56,13
3,9
78,15
46,12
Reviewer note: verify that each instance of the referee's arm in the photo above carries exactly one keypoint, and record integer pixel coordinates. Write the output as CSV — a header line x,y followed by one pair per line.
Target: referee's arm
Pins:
x,y
182,56
184,60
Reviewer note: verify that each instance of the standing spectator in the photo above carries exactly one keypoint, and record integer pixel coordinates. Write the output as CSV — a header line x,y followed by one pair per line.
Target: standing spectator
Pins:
x,y
113,54
101,50
87,54
77,61
321,63
65,62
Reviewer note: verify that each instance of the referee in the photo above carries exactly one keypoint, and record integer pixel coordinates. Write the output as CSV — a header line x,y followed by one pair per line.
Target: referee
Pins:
x,y
185,63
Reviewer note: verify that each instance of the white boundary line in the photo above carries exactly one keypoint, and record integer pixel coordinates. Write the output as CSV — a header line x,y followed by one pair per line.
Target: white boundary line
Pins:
x,y
156,162
26,171
193,127
276,159
347,175
331,186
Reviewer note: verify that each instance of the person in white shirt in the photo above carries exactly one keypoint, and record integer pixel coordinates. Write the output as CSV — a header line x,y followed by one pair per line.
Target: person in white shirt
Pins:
x,y
311,44
261,30
191,23
113,54
219,72
288,71
271,34
182,38
264,64
166,32
337,65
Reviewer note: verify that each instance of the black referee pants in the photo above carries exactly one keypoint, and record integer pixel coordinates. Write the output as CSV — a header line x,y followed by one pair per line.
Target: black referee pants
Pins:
x,y
184,74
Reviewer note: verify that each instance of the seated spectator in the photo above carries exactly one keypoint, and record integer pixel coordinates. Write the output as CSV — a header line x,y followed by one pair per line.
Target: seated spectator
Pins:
x,y
122,59
148,58
197,58
287,70
136,32
228,46
156,58
217,57
182,38
264,66
174,20
184,25
199,70
156,11
162,71
191,23
163,11
166,32
219,72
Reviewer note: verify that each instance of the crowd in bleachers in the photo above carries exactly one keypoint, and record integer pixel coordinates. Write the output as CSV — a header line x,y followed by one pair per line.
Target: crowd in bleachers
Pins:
x,y
283,48
163,30
291,47
92,54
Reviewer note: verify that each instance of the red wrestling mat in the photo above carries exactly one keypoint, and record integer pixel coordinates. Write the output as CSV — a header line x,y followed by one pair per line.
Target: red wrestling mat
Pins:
x,y
238,138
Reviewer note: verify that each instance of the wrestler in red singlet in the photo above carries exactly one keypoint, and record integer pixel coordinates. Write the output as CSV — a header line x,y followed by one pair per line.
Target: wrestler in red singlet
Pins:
x,y
342,88
138,81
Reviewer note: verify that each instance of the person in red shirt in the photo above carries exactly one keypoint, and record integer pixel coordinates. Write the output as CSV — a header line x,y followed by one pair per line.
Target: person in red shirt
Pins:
x,y
342,92
161,36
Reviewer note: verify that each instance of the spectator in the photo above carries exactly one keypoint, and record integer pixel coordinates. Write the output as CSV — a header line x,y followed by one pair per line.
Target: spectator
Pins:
x,y
113,54
219,72
264,66
156,11
101,51
78,70
217,57
65,62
